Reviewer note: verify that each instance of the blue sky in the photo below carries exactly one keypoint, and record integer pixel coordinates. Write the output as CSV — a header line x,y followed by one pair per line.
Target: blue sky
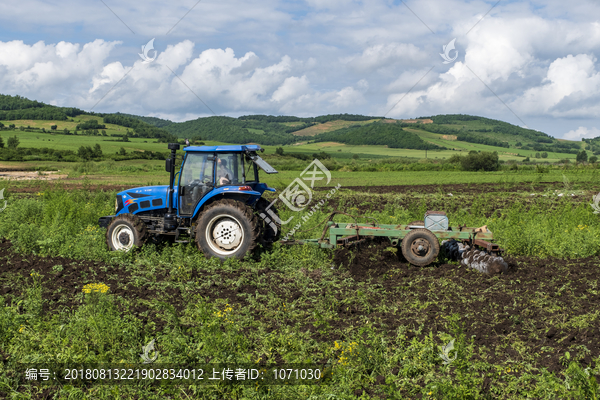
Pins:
x,y
530,63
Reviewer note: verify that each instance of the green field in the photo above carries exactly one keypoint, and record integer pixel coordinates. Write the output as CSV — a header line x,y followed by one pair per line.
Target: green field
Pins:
x,y
374,325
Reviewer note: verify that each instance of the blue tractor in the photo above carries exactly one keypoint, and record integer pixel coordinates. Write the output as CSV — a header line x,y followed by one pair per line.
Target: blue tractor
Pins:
x,y
216,200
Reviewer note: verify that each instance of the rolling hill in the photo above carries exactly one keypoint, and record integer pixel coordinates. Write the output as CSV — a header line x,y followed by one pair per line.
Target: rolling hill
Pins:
x,y
439,132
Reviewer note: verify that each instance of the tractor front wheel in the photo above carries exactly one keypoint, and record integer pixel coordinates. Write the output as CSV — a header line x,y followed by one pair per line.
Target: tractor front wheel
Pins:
x,y
420,247
227,228
124,232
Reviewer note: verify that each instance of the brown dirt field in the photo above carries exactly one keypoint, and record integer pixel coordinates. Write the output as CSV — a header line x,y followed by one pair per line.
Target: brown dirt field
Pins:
x,y
529,304
31,175
523,304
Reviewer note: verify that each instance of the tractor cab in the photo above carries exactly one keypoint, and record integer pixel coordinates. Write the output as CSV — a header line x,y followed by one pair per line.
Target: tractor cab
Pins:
x,y
219,170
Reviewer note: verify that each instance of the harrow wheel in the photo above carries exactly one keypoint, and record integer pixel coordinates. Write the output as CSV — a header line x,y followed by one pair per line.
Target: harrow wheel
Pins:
x,y
420,247
124,232
227,228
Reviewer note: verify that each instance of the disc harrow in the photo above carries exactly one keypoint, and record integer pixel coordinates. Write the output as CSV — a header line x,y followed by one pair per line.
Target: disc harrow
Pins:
x,y
419,241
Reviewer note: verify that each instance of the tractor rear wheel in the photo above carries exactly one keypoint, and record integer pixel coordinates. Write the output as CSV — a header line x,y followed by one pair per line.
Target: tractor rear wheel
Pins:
x,y
227,228
270,229
420,247
124,232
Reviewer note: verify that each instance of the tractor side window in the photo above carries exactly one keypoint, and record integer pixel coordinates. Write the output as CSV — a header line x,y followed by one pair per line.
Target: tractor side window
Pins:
x,y
196,180
228,169
249,165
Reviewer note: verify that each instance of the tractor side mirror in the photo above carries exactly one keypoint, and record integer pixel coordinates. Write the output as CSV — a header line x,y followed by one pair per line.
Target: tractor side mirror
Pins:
x,y
169,165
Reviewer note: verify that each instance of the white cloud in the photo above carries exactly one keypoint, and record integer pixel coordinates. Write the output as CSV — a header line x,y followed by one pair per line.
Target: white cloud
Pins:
x,y
569,80
387,55
42,71
582,132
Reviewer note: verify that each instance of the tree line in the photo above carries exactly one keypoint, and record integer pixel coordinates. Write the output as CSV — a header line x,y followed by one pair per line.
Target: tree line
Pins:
x,y
380,134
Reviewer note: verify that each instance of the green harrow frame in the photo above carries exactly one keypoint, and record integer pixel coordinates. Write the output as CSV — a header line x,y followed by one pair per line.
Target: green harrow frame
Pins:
x,y
420,246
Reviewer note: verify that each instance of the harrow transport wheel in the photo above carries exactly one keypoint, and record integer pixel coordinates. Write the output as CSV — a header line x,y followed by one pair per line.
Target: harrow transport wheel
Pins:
x,y
269,231
227,228
420,247
124,232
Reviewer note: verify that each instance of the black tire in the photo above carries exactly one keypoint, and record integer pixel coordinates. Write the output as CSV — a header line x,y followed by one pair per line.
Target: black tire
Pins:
x,y
124,232
270,229
420,247
227,228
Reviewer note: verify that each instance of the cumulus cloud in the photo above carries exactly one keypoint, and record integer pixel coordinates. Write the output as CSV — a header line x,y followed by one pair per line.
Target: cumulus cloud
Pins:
x,y
570,81
176,84
582,132
42,70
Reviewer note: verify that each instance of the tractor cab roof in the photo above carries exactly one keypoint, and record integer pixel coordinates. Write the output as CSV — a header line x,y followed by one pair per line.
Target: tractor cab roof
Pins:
x,y
224,149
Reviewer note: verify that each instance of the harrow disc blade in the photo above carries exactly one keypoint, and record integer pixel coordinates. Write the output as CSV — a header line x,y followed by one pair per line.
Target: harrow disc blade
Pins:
x,y
473,258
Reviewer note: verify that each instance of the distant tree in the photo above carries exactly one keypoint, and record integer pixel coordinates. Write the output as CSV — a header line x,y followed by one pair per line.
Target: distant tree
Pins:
x,y
1,125
1,143
593,159
321,156
54,127
581,156
122,151
103,132
12,126
518,144
21,128
544,155
537,155
476,161
279,151
526,159
355,157
66,131
97,152
13,142
85,153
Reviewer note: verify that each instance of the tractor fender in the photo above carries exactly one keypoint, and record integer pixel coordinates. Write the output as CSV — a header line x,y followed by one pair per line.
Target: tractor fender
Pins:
x,y
226,192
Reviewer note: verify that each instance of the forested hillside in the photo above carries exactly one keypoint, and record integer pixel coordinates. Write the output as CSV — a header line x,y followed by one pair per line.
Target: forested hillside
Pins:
x,y
382,134
17,107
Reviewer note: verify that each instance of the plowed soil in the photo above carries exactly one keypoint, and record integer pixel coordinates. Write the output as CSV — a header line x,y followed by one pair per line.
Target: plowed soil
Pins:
x,y
523,305
547,307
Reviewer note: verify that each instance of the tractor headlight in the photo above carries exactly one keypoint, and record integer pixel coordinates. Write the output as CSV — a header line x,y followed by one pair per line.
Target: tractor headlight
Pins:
x,y
116,205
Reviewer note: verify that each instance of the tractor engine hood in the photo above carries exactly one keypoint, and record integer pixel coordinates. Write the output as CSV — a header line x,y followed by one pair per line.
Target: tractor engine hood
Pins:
x,y
142,199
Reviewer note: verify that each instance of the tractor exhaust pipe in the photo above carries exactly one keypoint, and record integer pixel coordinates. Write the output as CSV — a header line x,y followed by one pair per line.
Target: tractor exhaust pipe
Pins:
x,y
170,219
